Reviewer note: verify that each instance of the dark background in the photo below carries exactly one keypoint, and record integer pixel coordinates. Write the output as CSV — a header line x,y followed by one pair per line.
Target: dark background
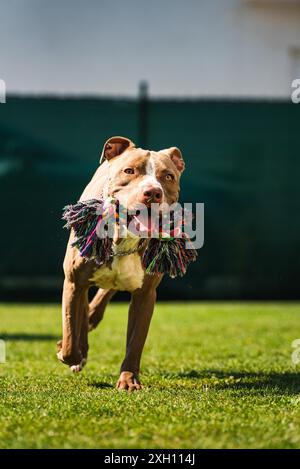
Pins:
x,y
242,161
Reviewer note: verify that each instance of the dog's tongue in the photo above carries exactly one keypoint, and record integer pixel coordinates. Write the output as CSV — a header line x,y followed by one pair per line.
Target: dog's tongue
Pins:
x,y
152,226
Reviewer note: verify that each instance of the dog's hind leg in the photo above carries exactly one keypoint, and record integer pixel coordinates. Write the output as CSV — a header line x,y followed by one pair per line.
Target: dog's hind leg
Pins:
x,y
97,307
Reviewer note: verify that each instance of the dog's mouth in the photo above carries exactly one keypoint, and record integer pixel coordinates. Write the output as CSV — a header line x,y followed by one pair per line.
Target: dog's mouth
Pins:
x,y
143,221
152,222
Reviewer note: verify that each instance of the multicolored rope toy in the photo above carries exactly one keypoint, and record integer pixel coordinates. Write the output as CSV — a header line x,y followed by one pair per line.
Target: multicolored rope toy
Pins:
x,y
163,254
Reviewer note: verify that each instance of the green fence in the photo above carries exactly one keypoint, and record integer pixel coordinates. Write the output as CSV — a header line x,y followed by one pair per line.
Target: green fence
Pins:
x,y
242,161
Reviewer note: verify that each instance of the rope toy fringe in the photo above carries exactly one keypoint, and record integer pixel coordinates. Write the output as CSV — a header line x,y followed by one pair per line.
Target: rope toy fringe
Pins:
x,y
163,255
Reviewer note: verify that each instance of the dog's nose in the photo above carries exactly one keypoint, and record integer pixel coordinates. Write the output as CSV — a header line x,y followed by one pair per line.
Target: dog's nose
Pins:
x,y
152,195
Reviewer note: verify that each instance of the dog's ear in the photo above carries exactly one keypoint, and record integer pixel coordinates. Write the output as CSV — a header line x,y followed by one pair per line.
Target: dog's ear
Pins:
x,y
176,156
115,146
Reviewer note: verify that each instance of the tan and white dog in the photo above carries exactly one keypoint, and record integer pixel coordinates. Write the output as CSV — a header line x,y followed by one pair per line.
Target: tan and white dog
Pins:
x,y
133,176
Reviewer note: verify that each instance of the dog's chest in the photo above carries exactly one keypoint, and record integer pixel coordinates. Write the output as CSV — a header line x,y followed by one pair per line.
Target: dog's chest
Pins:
x,y
125,272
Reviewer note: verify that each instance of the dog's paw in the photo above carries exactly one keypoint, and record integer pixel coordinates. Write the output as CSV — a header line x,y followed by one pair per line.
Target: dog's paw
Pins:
x,y
128,381
74,359
76,368
60,356
79,367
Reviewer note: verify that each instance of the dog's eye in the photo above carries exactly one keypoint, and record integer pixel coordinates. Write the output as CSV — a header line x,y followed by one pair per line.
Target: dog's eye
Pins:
x,y
169,177
129,171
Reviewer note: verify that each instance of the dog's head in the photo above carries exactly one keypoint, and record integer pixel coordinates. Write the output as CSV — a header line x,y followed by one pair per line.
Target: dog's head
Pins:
x,y
137,176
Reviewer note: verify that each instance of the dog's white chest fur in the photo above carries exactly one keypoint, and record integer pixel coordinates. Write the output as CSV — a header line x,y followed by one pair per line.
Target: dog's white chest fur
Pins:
x,y
125,272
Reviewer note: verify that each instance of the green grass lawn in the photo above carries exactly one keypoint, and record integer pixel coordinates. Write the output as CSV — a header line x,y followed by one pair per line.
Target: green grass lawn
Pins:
x,y
215,375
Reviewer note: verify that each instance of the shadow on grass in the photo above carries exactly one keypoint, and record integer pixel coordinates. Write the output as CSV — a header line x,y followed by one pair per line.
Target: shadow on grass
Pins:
x,y
286,382
100,385
28,337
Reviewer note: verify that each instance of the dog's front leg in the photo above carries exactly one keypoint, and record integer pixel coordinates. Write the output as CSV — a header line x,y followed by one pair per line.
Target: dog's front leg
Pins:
x,y
70,352
139,318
